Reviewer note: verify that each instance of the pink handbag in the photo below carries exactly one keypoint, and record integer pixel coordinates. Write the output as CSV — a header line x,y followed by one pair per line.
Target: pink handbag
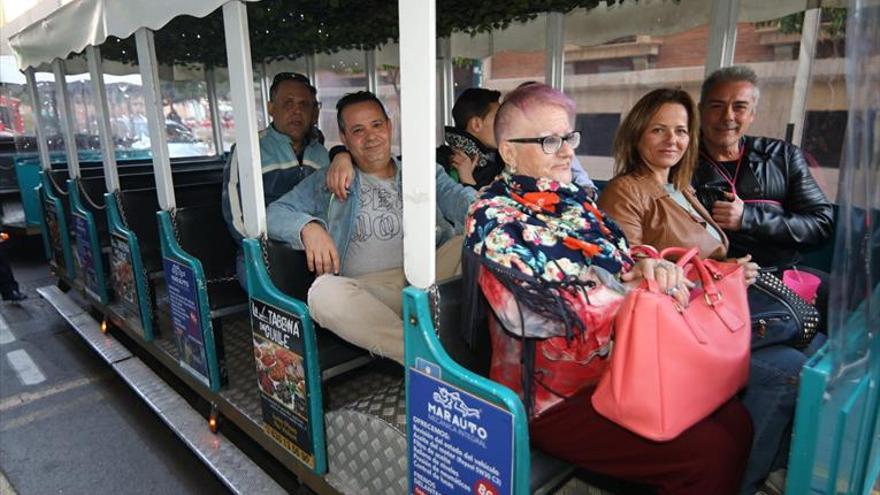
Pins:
x,y
671,366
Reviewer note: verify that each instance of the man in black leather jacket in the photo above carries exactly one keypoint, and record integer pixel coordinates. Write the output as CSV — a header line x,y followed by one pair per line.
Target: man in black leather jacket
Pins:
x,y
761,192
759,189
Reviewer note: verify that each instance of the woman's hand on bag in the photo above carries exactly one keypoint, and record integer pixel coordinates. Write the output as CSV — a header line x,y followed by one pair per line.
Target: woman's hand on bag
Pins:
x,y
670,278
751,269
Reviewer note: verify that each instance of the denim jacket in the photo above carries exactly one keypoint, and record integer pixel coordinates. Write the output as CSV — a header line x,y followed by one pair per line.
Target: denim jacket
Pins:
x,y
281,168
311,201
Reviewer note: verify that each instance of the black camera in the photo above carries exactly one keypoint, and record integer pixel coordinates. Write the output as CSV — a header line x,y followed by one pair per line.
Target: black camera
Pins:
x,y
714,193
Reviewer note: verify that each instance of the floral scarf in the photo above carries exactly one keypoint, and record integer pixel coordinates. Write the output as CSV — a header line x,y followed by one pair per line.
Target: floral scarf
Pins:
x,y
540,239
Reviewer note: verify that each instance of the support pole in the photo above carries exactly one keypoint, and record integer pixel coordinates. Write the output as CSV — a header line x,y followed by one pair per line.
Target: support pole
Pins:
x,y
265,85
555,50
809,36
36,105
447,80
722,37
146,51
238,53
418,80
108,150
371,71
311,69
216,123
65,116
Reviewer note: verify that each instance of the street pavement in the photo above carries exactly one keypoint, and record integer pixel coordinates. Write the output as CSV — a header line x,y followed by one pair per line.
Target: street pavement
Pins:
x,y
68,424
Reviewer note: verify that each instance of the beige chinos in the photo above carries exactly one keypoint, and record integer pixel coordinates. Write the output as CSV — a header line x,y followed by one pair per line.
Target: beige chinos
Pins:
x,y
368,310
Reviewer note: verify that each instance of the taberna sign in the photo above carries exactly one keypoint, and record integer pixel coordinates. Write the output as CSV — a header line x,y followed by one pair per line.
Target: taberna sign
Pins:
x,y
459,443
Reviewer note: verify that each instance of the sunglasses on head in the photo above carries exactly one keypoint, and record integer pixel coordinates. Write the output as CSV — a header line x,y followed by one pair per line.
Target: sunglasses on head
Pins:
x,y
295,76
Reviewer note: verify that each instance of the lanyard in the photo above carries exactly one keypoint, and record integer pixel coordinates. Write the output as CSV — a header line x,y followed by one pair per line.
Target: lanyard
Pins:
x,y
732,180
723,173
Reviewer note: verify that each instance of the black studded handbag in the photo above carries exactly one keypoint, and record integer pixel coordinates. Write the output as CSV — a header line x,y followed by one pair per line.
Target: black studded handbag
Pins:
x,y
779,315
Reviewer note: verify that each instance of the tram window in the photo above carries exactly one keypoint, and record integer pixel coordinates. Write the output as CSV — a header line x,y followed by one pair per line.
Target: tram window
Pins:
x,y
771,47
613,56
262,117
823,136
337,74
49,115
598,130
466,73
16,110
388,68
187,115
513,57
82,108
128,121
224,105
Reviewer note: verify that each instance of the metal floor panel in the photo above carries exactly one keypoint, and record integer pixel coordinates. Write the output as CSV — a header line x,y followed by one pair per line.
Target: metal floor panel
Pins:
x,y
235,469
90,330
242,391
64,305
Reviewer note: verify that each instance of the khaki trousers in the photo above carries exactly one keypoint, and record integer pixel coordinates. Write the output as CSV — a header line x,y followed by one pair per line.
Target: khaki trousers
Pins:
x,y
368,310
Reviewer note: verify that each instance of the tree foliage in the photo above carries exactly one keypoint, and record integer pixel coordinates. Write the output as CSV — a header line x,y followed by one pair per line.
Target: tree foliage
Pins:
x,y
833,23
285,29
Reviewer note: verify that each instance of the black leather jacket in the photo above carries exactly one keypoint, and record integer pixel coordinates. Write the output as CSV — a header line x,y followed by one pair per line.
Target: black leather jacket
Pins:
x,y
798,215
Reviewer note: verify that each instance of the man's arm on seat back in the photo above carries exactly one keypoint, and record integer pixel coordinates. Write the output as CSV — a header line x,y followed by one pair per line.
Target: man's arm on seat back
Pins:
x,y
808,216
453,198
305,203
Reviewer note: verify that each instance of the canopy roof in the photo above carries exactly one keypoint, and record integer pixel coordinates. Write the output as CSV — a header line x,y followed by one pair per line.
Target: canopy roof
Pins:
x,y
187,31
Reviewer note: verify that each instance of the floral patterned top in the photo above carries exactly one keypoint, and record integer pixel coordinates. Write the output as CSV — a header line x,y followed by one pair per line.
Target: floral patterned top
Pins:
x,y
549,268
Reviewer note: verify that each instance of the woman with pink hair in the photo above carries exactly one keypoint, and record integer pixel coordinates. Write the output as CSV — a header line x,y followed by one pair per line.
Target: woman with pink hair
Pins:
x,y
553,269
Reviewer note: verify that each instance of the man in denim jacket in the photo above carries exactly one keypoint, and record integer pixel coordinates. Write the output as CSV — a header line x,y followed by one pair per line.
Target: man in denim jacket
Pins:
x,y
355,246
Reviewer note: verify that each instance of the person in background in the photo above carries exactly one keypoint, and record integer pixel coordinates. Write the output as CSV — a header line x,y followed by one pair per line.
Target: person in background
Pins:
x,y
290,150
8,286
470,154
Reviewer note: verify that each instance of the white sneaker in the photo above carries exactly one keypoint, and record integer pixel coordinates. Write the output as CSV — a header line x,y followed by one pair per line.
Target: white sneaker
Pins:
x,y
774,484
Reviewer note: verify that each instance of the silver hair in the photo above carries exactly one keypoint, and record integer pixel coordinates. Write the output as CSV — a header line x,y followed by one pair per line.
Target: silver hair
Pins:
x,y
734,73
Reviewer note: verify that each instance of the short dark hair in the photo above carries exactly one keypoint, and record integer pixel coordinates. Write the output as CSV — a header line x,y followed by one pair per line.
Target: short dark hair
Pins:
x,y
282,77
353,98
734,73
474,102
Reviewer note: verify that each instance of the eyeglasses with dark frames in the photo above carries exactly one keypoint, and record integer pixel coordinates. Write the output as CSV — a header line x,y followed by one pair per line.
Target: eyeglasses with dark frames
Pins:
x,y
551,144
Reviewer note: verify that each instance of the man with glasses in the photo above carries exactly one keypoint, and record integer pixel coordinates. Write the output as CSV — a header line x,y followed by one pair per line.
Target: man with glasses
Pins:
x,y
355,246
290,150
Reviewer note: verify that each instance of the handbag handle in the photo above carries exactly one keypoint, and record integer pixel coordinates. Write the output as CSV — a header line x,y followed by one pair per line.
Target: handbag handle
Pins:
x,y
685,255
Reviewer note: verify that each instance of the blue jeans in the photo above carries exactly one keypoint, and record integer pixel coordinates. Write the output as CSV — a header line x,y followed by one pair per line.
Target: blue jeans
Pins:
x,y
770,397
